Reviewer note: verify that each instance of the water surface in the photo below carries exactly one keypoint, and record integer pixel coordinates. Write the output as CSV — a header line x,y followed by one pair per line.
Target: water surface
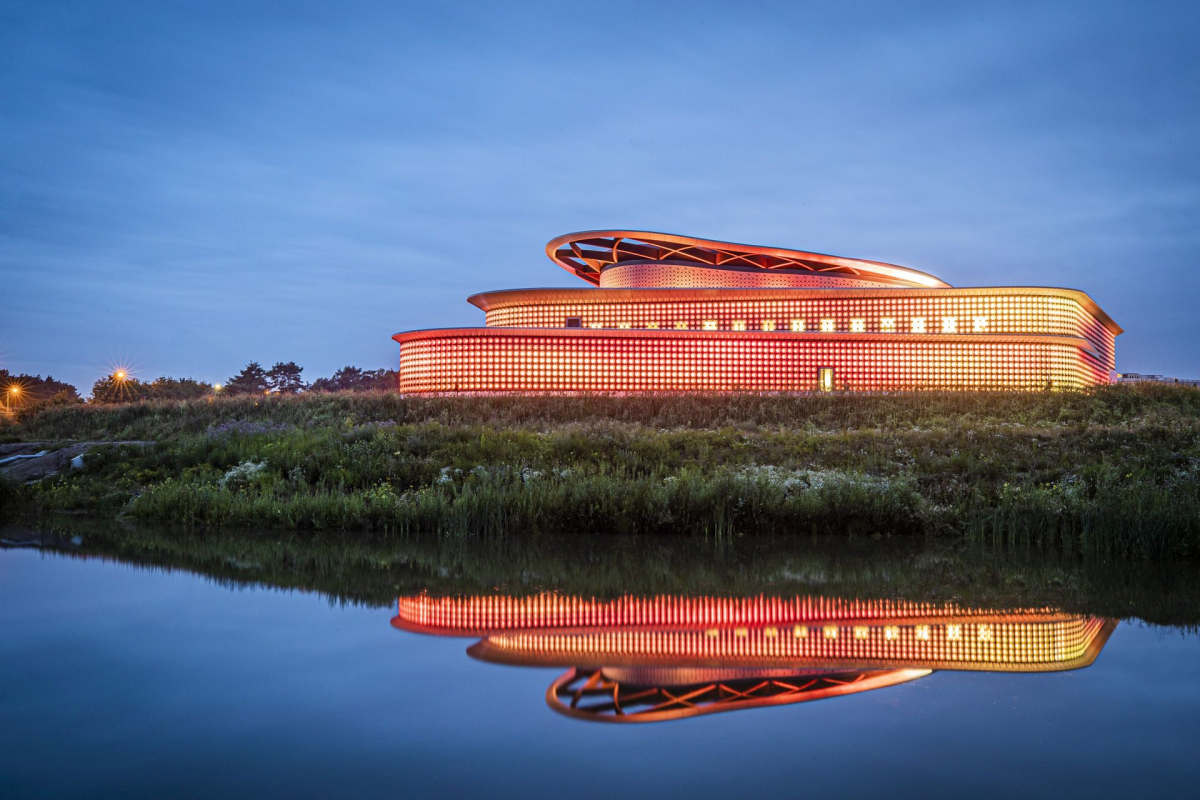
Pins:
x,y
127,679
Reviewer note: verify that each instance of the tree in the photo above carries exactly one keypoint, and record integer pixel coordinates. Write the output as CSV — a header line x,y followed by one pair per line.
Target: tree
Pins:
x,y
285,378
178,389
251,380
119,388
345,379
33,390
382,380
63,398
353,379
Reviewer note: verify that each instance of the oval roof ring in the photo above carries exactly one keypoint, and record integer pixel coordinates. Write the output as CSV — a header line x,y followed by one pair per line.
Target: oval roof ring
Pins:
x,y
587,253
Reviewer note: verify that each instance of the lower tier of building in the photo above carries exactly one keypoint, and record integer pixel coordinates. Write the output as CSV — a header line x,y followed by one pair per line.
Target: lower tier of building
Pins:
x,y
485,360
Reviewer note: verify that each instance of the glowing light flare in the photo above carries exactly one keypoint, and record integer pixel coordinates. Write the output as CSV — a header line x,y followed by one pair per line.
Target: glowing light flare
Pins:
x,y
12,396
121,372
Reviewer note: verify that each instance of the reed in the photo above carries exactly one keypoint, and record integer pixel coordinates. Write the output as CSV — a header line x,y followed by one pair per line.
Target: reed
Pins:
x,y
1108,472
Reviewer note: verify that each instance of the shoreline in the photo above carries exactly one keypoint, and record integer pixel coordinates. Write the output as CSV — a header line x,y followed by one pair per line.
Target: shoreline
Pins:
x,y
374,570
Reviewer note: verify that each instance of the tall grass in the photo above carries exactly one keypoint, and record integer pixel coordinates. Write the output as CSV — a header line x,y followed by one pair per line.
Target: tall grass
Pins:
x,y
157,420
1109,472
718,504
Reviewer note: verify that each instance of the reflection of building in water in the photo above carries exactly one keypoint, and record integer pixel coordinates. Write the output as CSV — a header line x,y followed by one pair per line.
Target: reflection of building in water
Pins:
x,y
648,659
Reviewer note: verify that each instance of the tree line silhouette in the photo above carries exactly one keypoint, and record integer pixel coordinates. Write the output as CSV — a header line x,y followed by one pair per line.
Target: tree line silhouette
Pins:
x,y
22,391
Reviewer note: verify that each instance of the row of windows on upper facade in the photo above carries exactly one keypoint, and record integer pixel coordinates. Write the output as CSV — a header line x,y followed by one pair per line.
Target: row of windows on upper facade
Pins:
x,y
824,325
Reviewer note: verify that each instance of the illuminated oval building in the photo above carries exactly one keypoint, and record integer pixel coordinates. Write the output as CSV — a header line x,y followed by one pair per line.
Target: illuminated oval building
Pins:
x,y
677,313
651,659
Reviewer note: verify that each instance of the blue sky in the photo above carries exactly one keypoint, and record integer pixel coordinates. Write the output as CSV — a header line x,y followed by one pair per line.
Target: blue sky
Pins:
x,y
186,187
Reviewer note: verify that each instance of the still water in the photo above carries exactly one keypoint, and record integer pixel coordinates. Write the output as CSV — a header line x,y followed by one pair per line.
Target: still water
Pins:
x,y
131,679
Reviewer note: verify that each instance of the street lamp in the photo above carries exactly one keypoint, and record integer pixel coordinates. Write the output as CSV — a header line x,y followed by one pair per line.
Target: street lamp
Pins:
x,y
10,397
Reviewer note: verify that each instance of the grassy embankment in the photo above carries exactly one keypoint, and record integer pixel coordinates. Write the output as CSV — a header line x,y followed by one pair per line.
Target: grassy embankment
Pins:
x,y
1111,472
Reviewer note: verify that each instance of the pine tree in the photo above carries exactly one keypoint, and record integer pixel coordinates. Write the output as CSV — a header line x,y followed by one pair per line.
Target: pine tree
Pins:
x,y
285,378
353,379
251,380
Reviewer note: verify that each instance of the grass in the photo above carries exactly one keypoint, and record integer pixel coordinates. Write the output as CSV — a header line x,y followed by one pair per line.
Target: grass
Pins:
x,y
1112,472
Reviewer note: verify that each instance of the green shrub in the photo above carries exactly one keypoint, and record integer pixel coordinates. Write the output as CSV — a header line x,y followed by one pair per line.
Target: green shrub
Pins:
x,y
1111,472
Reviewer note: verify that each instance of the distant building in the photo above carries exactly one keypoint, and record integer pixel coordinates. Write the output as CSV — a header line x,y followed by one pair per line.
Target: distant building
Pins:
x,y
1137,377
677,313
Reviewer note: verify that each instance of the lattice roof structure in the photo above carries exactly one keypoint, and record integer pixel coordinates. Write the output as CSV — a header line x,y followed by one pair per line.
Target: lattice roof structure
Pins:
x,y
588,253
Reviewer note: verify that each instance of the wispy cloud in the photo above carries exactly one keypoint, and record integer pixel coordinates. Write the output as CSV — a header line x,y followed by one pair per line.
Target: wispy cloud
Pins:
x,y
202,187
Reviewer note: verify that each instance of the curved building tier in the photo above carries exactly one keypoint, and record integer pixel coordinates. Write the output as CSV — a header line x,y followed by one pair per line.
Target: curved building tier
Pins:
x,y
675,313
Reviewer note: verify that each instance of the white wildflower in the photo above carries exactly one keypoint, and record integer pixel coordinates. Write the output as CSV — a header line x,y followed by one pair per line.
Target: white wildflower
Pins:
x,y
242,474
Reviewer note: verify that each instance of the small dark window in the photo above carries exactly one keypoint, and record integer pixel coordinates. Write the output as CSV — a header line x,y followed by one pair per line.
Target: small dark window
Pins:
x,y
574,322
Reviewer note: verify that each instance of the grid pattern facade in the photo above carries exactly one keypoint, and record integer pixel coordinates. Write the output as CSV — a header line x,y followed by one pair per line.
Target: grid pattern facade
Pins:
x,y
479,615
872,312
1032,644
499,360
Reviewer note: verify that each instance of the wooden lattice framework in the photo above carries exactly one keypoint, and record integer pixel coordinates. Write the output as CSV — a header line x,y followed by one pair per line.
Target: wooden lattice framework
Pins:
x,y
588,694
588,253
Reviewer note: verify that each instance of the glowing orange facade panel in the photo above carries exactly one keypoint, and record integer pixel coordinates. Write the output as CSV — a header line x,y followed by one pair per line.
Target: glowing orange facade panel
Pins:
x,y
761,631
1031,643
680,314
478,615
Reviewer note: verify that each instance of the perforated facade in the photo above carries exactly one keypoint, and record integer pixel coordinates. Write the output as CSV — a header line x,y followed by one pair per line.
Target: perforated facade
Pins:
x,y
678,314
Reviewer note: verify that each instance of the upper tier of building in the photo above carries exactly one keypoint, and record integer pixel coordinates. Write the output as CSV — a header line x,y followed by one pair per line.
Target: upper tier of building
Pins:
x,y
618,259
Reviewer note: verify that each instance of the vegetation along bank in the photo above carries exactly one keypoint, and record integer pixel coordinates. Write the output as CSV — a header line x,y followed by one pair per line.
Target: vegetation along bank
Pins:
x,y
1111,472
